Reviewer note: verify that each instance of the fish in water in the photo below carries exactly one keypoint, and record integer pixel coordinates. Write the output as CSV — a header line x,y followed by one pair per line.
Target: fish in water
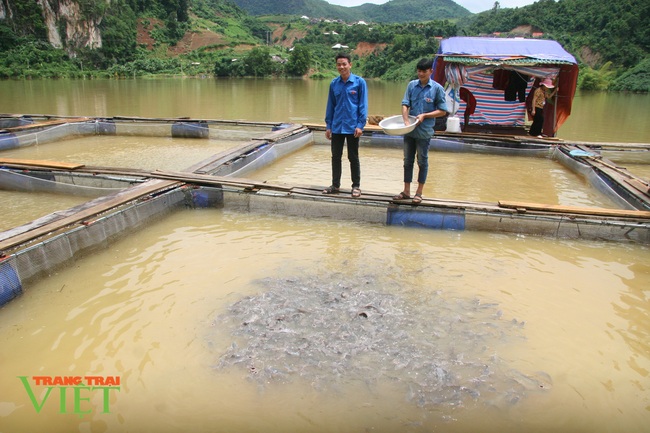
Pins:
x,y
344,327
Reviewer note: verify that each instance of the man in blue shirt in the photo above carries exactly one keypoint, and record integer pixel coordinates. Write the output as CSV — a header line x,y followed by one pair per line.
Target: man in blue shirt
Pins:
x,y
424,99
345,118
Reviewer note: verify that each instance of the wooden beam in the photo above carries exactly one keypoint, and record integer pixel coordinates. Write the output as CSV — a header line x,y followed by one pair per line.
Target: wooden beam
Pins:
x,y
282,133
46,123
524,206
206,179
640,185
40,163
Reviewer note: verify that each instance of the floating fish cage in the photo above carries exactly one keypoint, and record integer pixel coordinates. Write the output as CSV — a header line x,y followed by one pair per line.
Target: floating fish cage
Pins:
x,y
20,132
127,199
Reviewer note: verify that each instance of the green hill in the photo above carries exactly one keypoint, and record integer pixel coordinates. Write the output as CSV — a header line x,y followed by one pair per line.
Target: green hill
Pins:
x,y
607,37
394,11
219,37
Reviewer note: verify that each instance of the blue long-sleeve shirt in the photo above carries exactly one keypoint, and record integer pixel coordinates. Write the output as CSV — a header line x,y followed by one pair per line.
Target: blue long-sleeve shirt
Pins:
x,y
347,105
424,99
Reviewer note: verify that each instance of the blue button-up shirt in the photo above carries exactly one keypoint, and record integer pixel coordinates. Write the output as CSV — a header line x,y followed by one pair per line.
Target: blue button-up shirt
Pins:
x,y
424,99
347,105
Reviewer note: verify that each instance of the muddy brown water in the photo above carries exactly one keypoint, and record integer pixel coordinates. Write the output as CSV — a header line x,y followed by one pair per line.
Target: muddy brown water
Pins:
x,y
563,335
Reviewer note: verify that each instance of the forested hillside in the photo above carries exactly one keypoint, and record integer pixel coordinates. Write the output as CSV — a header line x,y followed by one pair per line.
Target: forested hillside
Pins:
x,y
311,8
88,38
608,37
393,11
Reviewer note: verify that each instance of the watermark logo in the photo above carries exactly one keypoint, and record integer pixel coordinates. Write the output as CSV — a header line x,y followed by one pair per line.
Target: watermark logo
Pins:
x,y
73,392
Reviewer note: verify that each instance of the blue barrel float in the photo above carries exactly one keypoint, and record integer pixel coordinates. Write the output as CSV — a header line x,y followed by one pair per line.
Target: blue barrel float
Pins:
x,y
12,122
8,140
10,285
425,218
191,129
281,127
106,127
204,197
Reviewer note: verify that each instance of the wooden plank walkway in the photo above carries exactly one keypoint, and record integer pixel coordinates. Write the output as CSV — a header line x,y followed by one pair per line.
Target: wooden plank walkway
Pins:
x,y
623,213
32,163
47,123
635,186
165,180
202,179
23,234
198,175
513,138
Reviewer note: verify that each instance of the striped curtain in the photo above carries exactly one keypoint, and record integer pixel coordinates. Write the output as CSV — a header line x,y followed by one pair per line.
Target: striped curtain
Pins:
x,y
491,106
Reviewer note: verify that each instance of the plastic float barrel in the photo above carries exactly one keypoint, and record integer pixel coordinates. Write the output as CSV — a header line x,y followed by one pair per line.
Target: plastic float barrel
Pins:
x,y
10,285
203,197
11,122
197,129
447,145
281,126
8,141
106,127
425,218
385,140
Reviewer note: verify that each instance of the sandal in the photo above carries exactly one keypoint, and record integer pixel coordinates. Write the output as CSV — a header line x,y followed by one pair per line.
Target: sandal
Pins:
x,y
417,198
402,196
356,192
331,190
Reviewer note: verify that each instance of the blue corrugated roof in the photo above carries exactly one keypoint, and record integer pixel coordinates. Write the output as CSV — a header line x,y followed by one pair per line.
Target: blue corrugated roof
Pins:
x,y
542,50
480,61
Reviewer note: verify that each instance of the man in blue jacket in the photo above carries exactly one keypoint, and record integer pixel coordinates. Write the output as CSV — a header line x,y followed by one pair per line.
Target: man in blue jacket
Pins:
x,y
424,99
345,118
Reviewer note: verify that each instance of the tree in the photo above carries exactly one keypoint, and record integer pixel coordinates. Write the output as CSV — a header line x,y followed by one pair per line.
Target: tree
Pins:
x,y
636,79
118,35
592,79
258,63
299,61
27,19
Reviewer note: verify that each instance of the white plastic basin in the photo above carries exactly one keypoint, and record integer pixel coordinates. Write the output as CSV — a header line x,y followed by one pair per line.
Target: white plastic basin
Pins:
x,y
394,125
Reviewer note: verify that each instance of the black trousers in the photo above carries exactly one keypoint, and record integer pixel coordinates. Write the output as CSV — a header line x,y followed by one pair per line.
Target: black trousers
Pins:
x,y
338,141
538,123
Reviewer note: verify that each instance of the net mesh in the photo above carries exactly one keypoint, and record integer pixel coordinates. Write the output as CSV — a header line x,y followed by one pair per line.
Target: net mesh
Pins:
x,y
42,258
10,285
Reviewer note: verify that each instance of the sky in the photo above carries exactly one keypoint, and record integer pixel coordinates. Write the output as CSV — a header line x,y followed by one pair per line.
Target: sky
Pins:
x,y
473,6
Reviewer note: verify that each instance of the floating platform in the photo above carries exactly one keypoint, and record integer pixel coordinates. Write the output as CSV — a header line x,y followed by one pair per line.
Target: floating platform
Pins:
x,y
135,197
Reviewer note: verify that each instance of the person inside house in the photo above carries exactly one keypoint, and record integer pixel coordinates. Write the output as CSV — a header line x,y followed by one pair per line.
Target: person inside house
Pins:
x,y
541,96
470,105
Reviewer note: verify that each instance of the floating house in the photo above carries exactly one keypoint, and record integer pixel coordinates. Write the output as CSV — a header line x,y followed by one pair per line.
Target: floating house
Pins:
x,y
501,73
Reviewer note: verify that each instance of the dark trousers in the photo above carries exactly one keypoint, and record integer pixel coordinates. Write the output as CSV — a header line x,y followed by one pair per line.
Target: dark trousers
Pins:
x,y
413,147
538,123
338,141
